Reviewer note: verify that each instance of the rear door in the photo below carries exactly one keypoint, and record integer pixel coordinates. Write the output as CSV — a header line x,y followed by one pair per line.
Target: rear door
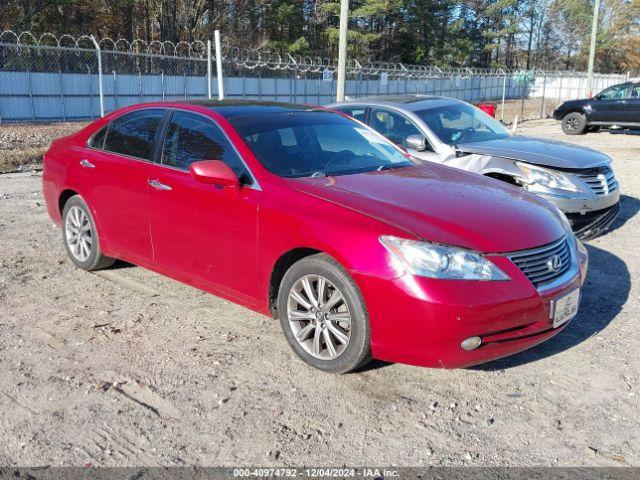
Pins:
x,y
203,234
633,105
610,104
119,165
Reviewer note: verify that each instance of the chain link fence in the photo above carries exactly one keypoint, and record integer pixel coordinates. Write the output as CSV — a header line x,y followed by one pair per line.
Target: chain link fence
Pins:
x,y
65,78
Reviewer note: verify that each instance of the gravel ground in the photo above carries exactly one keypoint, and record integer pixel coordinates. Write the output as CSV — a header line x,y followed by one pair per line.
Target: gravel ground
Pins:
x,y
128,368
22,145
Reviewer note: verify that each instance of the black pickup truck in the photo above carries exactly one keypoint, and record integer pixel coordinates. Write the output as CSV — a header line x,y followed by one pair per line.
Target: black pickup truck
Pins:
x,y
617,105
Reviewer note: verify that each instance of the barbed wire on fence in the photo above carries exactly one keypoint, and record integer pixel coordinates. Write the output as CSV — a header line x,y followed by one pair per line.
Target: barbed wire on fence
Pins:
x,y
250,59
49,77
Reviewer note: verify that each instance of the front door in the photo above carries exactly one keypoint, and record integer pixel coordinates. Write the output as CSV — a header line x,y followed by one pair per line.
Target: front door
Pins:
x,y
203,234
633,105
610,104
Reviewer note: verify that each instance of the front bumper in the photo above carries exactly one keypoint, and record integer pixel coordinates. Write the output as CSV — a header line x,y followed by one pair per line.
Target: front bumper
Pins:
x,y
592,224
422,321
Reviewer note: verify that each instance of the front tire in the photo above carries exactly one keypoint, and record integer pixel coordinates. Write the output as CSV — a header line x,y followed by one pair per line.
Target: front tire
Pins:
x,y
81,236
574,123
323,315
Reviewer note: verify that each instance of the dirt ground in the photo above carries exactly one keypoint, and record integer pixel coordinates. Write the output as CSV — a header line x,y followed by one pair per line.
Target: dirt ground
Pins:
x,y
128,368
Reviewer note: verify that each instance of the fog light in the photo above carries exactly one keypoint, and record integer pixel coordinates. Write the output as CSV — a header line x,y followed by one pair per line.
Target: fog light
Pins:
x,y
471,343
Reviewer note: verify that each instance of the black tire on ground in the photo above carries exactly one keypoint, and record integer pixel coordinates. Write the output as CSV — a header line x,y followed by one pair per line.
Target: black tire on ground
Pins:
x,y
574,123
357,352
95,260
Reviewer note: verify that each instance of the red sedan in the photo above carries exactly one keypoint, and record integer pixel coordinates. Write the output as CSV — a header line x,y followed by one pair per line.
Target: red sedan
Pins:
x,y
321,222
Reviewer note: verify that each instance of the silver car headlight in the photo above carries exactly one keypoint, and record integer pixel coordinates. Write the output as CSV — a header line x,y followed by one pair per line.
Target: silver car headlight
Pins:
x,y
532,174
441,261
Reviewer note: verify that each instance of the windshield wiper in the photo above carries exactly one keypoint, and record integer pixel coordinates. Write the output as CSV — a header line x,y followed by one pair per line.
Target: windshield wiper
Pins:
x,y
318,174
392,166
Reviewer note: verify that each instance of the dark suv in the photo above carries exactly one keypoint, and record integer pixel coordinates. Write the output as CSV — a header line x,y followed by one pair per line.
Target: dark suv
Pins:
x,y
616,105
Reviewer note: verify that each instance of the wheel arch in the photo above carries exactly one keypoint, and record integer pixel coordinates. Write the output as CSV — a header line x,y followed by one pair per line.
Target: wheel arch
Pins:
x,y
577,109
280,267
64,197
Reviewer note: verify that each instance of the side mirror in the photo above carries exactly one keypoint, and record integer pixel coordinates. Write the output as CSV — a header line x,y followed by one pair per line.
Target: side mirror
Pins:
x,y
214,172
417,143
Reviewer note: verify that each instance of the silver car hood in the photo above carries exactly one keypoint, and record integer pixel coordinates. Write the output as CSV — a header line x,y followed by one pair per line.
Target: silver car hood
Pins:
x,y
539,151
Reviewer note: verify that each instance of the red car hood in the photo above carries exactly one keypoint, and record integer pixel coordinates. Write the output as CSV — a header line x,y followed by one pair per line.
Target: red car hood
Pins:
x,y
444,205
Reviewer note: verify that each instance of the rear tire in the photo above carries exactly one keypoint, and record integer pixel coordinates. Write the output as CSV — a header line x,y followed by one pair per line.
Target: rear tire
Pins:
x,y
323,315
81,236
574,123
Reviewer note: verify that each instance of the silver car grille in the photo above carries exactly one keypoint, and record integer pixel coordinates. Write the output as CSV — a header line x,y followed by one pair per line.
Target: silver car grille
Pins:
x,y
544,264
600,180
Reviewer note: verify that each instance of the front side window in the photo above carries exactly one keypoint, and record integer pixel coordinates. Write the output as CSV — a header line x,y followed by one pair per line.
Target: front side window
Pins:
x,y
316,143
133,134
615,92
462,123
192,138
394,126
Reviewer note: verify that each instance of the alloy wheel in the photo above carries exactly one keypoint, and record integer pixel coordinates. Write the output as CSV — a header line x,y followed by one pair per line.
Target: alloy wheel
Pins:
x,y
319,317
572,124
79,234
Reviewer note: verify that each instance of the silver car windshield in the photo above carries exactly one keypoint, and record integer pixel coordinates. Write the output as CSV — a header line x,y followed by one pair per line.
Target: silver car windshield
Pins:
x,y
460,123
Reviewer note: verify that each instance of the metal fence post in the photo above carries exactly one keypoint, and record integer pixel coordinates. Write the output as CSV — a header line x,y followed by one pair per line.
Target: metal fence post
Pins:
x,y
100,92
543,105
33,114
216,36
115,90
62,109
504,92
209,79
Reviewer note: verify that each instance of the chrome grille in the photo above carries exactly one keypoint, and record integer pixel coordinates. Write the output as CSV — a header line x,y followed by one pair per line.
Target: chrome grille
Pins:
x,y
600,180
543,265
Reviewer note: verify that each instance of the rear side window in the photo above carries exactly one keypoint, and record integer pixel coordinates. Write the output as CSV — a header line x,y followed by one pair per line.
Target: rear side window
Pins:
x,y
133,134
359,113
97,141
191,138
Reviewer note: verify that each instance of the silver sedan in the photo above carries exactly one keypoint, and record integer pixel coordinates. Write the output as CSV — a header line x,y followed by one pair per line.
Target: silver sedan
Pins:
x,y
577,180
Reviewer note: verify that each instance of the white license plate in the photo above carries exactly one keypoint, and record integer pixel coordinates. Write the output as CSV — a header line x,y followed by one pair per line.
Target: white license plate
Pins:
x,y
565,308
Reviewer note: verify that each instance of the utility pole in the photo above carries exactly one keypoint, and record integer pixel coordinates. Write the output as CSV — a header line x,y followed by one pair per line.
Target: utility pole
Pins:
x,y
592,48
342,49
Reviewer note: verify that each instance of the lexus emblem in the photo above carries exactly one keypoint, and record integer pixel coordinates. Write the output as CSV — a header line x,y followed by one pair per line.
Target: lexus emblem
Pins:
x,y
555,263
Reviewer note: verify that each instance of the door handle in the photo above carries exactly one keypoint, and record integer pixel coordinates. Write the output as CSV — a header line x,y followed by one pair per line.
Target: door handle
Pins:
x,y
159,186
86,163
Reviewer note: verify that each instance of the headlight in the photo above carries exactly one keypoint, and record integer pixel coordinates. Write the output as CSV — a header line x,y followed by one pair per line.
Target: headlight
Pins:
x,y
441,261
547,178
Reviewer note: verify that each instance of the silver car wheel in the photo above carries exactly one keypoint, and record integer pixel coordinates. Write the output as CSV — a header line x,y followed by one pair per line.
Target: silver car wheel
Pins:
x,y
572,124
79,234
319,317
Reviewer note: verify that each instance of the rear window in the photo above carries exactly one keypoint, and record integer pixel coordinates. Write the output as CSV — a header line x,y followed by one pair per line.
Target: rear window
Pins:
x,y
133,134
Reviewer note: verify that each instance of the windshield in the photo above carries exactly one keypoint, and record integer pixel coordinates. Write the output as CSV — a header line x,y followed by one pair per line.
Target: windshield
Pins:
x,y
461,123
316,143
